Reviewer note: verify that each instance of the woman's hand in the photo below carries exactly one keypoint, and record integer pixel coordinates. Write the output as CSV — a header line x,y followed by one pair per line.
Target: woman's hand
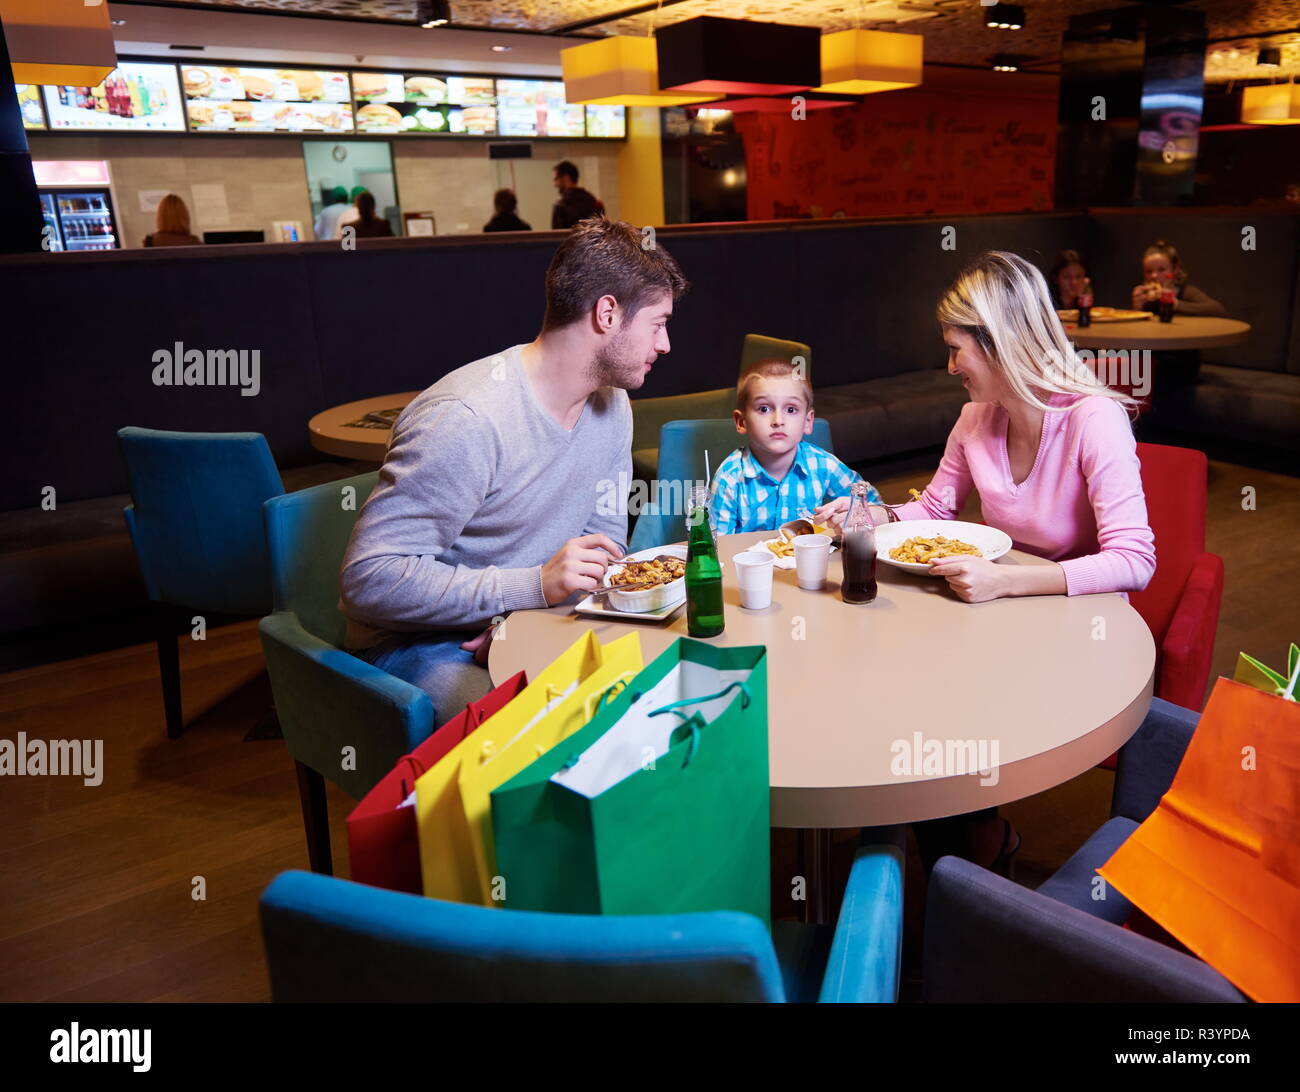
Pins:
x,y
832,512
974,579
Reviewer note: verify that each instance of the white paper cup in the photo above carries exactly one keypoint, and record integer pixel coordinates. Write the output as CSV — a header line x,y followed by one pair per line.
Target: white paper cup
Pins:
x,y
812,555
754,575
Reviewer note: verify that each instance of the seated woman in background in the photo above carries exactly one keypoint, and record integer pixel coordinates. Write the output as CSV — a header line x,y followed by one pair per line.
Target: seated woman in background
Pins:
x,y
1052,453
367,225
1068,276
172,224
507,217
1160,263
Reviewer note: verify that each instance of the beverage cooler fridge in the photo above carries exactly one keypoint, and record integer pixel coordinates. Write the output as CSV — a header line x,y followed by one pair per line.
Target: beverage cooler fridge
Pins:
x,y
81,218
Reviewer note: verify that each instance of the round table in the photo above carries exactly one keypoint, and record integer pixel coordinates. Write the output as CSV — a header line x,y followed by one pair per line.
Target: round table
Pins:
x,y
332,434
859,695
1185,332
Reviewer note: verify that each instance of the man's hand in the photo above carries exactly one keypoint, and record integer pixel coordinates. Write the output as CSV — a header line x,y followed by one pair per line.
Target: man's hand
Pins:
x,y
578,565
480,645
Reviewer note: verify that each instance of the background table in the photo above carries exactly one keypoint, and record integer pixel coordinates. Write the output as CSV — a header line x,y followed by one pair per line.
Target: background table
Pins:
x,y
331,434
1185,332
1058,682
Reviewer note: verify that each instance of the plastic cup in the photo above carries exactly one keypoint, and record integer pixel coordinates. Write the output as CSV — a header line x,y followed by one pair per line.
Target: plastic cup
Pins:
x,y
754,575
812,555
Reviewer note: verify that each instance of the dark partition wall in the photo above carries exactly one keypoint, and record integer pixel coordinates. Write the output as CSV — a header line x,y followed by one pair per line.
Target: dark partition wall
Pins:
x,y
331,326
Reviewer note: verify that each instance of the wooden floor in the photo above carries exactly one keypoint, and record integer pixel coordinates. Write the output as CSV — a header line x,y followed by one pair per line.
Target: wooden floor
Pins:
x,y
96,884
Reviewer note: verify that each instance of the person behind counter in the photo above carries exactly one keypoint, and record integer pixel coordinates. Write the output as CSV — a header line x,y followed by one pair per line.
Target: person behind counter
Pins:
x,y
172,224
336,204
1161,263
575,203
367,225
1068,278
507,213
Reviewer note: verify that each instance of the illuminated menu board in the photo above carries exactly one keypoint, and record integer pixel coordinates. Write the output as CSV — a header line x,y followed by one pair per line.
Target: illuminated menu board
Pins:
x,y
606,121
29,105
537,108
266,100
390,102
136,97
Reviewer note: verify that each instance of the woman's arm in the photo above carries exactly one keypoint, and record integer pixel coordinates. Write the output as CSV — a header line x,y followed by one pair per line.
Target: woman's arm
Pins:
x,y
1195,302
1126,558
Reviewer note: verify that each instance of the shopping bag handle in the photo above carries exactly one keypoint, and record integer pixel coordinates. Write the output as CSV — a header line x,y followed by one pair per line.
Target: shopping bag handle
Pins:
x,y
692,720
589,711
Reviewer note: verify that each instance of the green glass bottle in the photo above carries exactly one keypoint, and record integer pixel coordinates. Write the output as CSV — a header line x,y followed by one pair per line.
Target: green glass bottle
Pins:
x,y
703,572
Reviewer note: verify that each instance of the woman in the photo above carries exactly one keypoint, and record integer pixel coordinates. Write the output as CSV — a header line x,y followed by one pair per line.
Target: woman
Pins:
x,y
507,218
1052,453
1160,265
367,225
1068,278
172,224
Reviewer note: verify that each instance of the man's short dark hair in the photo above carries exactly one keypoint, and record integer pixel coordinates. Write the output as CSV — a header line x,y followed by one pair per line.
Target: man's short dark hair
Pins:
x,y
569,170
602,257
505,201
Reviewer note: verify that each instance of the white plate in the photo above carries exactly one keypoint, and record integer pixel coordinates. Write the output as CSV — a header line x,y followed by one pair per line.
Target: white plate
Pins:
x,y
591,608
649,600
991,542
781,562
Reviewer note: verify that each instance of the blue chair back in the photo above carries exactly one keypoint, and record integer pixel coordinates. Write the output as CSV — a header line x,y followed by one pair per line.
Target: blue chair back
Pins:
x,y
332,940
196,516
682,445
308,533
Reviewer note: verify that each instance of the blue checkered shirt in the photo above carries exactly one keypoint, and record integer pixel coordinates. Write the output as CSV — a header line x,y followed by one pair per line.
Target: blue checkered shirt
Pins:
x,y
747,498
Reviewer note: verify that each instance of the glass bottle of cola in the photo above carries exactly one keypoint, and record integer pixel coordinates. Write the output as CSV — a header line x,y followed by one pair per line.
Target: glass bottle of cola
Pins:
x,y
858,549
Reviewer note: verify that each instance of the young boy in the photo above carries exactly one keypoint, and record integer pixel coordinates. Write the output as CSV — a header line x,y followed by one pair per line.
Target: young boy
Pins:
x,y
779,476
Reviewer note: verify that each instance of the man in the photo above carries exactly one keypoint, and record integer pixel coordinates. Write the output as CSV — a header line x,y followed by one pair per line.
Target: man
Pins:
x,y
575,203
487,500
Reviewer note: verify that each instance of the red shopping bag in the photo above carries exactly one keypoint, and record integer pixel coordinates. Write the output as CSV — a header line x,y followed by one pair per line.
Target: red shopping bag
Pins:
x,y
383,842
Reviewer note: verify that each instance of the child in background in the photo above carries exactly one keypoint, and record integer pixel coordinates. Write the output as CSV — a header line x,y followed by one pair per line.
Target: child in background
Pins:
x,y
778,476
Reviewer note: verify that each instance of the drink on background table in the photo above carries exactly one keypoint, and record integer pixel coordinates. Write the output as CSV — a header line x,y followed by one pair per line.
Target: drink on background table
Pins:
x,y
858,549
1084,303
1167,298
703,572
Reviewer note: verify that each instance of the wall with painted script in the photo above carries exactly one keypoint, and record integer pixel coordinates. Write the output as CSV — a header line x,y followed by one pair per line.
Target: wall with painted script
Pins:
x,y
903,153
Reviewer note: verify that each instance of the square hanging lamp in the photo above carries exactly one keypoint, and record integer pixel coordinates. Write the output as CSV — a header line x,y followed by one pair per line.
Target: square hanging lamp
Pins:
x,y
62,43
619,71
862,62
738,57
1271,104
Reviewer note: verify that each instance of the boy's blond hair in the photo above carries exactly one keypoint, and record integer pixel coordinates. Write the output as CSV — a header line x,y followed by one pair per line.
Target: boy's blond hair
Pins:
x,y
771,369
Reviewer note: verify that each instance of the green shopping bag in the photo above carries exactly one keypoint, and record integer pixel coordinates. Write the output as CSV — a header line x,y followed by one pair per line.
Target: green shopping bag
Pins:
x,y
658,806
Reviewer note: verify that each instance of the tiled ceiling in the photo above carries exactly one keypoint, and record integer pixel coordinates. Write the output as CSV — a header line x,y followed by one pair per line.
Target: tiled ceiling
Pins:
x,y
954,30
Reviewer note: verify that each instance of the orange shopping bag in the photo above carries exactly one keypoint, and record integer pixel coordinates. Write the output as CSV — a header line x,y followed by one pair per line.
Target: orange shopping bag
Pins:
x,y
1217,863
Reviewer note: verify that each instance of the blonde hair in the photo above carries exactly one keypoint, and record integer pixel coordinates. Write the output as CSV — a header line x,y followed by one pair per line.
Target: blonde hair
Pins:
x,y
173,216
771,369
1003,302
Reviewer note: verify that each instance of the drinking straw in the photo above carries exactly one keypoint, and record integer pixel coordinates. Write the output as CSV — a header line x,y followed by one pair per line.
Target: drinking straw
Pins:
x,y
707,476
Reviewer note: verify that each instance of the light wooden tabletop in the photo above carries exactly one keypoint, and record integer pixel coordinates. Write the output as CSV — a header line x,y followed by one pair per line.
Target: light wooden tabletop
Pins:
x,y
1184,332
331,433
1056,683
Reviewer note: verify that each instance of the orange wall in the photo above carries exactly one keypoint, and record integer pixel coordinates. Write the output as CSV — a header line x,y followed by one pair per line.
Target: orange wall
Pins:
x,y
902,153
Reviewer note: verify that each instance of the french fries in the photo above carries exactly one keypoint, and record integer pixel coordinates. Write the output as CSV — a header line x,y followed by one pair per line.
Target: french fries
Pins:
x,y
921,551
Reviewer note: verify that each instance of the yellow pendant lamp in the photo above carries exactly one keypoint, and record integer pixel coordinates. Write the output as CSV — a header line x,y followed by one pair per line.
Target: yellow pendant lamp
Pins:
x,y
1271,104
619,71
862,62
58,43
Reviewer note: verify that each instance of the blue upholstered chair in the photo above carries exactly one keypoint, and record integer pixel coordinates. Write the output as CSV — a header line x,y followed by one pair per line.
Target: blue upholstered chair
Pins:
x,y
342,718
336,941
987,939
682,445
196,523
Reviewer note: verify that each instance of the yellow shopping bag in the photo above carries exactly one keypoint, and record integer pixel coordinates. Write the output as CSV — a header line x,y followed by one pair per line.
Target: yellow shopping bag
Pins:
x,y
478,779
450,862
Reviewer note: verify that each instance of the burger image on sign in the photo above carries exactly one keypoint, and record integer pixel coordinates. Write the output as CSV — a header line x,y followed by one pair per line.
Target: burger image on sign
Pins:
x,y
370,85
198,82
375,117
425,89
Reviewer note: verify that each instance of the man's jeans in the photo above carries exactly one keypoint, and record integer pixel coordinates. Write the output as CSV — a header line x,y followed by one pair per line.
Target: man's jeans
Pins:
x,y
437,664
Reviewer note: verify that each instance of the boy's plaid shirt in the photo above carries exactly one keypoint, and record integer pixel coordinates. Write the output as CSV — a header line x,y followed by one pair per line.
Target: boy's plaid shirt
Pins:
x,y
746,498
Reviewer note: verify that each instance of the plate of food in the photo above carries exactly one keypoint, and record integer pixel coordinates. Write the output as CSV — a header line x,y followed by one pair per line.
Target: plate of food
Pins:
x,y
656,583
1106,314
783,544
912,544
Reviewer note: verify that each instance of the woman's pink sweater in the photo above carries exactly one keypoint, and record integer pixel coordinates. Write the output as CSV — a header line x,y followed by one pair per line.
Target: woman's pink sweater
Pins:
x,y
1081,505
